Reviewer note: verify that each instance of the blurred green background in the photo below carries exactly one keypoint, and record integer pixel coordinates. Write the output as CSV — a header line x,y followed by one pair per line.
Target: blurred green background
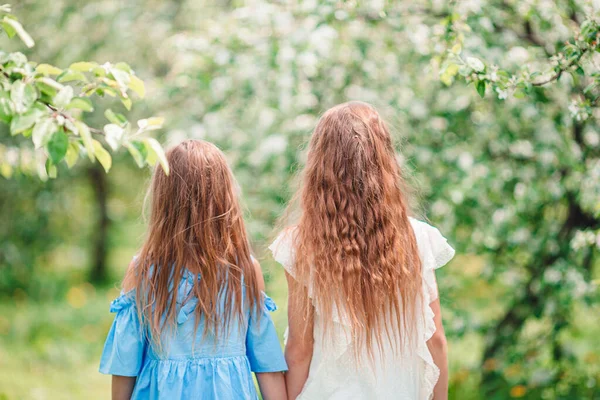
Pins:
x,y
513,183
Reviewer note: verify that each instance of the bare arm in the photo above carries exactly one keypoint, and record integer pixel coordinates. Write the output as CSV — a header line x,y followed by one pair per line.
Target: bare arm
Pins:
x,y
122,387
439,351
299,347
271,384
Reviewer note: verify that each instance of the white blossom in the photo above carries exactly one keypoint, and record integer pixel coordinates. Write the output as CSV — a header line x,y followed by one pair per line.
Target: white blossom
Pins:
x,y
518,55
502,93
475,63
552,275
591,138
465,160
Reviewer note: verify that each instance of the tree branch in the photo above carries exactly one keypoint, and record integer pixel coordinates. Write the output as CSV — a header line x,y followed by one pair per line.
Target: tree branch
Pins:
x,y
559,73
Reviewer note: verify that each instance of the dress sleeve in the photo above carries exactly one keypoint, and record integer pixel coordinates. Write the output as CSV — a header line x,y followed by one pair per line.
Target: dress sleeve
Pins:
x,y
440,253
283,250
126,343
262,344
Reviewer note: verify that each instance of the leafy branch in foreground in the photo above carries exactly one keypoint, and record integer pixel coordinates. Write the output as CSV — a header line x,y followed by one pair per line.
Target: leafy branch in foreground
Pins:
x,y
507,83
44,105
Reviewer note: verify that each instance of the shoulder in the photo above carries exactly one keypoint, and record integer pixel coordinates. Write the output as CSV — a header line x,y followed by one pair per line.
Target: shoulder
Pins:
x,y
130,275
259,274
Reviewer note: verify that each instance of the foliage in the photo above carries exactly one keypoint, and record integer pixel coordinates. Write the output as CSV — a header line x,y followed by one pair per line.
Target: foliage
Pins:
x,y
44,105
550,166
576,58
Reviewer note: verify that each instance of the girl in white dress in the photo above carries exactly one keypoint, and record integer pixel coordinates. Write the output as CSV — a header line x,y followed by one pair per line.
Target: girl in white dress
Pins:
x,y
364,315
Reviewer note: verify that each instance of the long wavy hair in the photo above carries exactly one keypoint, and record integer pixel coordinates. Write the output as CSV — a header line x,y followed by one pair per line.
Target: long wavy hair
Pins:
x,y
354,242
195,224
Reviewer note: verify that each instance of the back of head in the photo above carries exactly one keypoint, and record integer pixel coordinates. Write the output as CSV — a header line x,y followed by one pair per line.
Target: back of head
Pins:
x,y
195,224
354,242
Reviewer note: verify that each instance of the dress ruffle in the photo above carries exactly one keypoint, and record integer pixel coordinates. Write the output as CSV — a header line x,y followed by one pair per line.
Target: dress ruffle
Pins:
x,y
223,378
437,254
269,303
123,301
125,344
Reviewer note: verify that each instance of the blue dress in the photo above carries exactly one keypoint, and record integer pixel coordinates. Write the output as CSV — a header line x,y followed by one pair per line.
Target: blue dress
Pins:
x,y
191,367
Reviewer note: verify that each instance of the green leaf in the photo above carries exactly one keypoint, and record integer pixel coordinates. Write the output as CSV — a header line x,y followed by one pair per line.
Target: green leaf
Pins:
x,y
99,71
42,132
72,154
151,124
47,69
136,154
40,162
63,97
86,137
19,30
137,85
7,108
10,31
127,103
22,95
580,71
106,90
141,147
102,155
52,170
113,135
57,146
519,94
48,86
83,66
115,118
448,74
70,76
21,122
156,153
481,88
456,49
590,87
124,67
80,103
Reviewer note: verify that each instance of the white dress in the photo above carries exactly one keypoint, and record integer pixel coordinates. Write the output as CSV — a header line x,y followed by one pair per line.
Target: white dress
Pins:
x,y
409,375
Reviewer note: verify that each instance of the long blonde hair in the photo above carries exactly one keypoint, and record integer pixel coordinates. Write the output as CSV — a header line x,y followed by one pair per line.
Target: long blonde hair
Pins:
x,y
354,242
195,224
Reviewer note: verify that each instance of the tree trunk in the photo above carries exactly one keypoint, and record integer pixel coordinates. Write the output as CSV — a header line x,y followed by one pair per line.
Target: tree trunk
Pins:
x,y
99,184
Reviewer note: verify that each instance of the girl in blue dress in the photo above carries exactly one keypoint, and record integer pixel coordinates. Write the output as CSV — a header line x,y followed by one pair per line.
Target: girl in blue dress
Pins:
x,y
192,321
